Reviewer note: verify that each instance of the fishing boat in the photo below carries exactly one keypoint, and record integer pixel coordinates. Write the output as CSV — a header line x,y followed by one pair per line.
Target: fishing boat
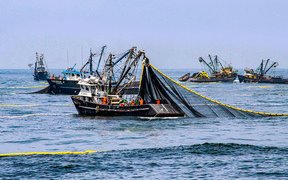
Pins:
x,y
99,98
68,83
261,74
94,101
40,68
218,72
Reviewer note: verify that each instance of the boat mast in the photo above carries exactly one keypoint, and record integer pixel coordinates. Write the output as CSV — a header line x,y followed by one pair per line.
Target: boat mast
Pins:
x,y
41,61
110,73
202,60
274,64
102,52
133,63
124,55
90,62
131,53
261,68
266,64
45,64
213,64
36,63
219,62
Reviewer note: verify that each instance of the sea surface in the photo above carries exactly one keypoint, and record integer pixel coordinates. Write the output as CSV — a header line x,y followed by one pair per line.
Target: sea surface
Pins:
x,y
129,148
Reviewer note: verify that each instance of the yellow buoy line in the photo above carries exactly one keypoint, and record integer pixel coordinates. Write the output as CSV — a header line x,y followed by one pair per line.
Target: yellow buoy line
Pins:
x,y
50,153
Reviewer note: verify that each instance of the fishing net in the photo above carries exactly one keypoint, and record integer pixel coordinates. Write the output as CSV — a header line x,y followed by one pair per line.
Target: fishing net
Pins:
x,y
157,86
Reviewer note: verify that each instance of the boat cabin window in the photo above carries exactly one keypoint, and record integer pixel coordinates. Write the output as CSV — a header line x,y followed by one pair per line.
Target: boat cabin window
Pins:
x,y
93,88
87,88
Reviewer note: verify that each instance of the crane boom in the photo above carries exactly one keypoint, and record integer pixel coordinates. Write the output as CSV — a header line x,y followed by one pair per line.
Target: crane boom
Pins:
x,y
274,64
202,60
100,58
133,63
266,64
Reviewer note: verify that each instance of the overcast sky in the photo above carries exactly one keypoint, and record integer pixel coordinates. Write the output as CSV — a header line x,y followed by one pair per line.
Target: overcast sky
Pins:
x,y
174,33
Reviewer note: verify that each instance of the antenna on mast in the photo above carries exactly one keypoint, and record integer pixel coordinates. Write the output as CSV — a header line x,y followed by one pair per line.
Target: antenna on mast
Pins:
x,y
67,56
81,55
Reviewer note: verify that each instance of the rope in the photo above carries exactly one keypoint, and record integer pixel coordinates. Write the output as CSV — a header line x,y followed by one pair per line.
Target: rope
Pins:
x,y
214,101
49,153
142,70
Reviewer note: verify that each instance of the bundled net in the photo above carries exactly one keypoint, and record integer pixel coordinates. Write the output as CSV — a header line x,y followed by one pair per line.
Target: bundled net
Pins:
x,y
157,86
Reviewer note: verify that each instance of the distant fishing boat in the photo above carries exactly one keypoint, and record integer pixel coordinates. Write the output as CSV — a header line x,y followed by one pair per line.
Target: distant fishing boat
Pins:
x,y
40,68
66,84
218,72
260,75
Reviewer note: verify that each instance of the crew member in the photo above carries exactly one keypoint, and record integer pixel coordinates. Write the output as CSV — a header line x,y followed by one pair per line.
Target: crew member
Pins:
x,y
141,101
104,100
158,101
132,103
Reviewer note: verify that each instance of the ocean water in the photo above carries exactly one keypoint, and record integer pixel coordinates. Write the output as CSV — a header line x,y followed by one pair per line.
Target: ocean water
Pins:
x,y
192,148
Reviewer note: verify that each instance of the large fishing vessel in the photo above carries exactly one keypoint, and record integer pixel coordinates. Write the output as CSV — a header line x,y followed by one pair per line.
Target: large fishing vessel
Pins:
x,y
261,74
94,100
40,68
99,98
218,72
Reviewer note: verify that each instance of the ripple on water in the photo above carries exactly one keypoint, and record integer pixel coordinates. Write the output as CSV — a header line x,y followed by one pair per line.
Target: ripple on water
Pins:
x,y
199,160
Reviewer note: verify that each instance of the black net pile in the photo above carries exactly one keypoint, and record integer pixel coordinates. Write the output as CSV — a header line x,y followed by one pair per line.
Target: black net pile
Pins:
x,y
157,86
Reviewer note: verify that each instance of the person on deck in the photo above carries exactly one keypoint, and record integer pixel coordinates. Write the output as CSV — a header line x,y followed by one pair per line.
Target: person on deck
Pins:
x,y
158,101
141,101
104,100
132,103
137,102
